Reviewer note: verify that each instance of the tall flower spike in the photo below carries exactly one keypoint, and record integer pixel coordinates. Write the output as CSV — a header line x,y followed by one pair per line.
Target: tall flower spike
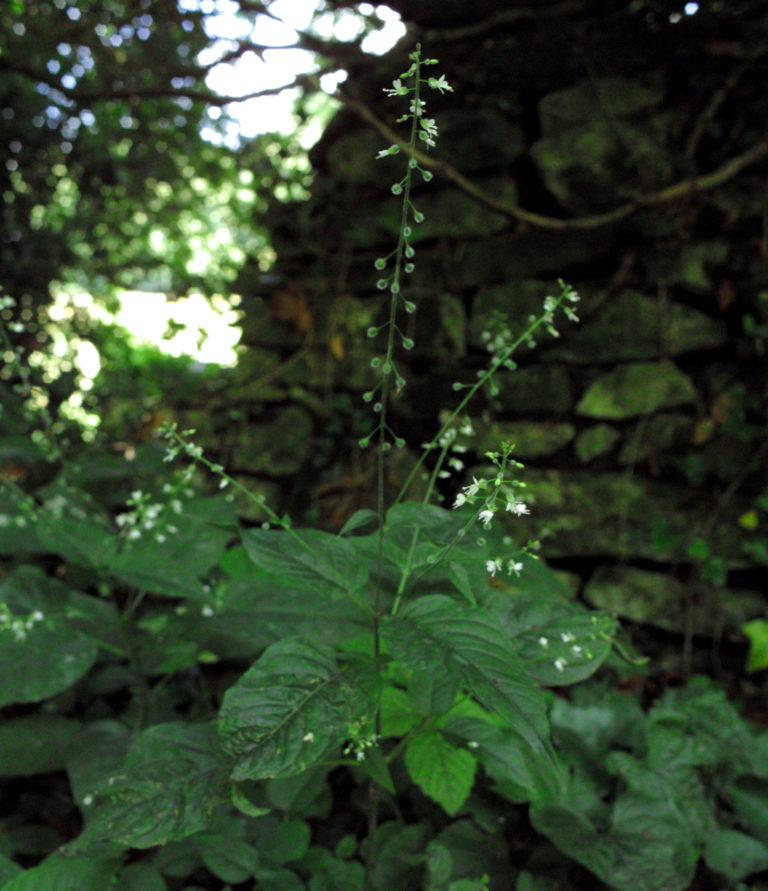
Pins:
x,y
424,130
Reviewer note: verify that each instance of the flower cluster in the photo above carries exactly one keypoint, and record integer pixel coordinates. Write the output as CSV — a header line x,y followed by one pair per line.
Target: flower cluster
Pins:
x,y
501,343
18,626
146,514
491,493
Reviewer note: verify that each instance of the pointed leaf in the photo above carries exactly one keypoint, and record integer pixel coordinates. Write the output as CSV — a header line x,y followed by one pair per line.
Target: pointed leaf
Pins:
x,y
442,638
292,706
59,873
41,654
735,854
172,779
359,519
308,560
442,771
557,641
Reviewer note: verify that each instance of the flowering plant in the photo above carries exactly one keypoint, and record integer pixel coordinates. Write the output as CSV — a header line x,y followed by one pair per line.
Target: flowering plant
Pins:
x,y
412,650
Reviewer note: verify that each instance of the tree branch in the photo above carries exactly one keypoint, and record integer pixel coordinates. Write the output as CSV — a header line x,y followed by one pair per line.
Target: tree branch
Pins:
x,y
683,189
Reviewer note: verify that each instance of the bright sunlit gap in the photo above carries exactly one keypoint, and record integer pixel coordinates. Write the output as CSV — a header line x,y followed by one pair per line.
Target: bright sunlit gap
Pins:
x,y
203,329
147,315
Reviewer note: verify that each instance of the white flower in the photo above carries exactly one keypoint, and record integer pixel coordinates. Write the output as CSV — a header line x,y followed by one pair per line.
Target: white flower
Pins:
x,y
429,126
309,737
460,499
514,567
543,641
397,88
566,637
485,517
493,565
473,489
207,611
560,664
440,83
517,507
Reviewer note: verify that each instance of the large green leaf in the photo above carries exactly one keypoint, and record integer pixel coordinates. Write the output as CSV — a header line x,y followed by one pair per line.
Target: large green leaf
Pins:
x,y
557,641
172,779
59,873
307,560
645,848
440,637
98,754
735,854
291,707
41,650
441,770
229,859
248,616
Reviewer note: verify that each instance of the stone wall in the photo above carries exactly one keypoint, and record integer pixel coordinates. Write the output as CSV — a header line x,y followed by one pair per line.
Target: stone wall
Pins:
x,y
618,148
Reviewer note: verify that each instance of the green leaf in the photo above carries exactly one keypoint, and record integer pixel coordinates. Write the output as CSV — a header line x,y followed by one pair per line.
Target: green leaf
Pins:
x,y
439,863
96,756
8,870
308,560
508,757
307,793
175,565
432,694
229,859
291,707
757,632
59,873
71,524
398,715
280,841
18,523
140,877
375,766
748,797
41,654
557,641
399,856
250,614
477,852
439,637
645,848
329,873
359,519
244,804
441,770
35,743
735,855
172,780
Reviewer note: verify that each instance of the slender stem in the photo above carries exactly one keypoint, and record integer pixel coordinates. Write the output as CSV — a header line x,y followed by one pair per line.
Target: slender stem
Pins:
x,y
383,446
494,367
